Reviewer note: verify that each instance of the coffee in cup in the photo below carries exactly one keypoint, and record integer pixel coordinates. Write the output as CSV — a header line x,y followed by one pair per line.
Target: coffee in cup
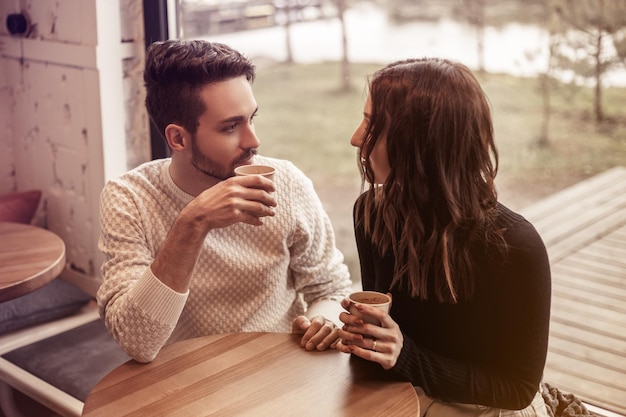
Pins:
x,y
372,298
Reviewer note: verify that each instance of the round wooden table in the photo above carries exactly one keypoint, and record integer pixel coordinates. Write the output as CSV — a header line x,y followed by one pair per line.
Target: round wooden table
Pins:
x,y
30,257
250,374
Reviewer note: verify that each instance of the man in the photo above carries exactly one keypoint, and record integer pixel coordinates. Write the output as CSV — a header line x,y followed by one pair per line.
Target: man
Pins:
x,y
190,249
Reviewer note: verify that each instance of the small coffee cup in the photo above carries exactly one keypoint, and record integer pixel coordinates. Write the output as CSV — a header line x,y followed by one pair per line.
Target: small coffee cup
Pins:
x,y
264,170
375,299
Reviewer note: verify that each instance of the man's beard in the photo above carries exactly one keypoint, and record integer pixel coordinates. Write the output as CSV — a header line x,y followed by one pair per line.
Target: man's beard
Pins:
x,y
212,168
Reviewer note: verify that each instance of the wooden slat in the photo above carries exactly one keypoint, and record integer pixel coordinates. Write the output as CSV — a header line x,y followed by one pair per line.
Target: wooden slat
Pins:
x,y
596,229
587,369
605,272
608,361
583,290
581,217
594,327
550,206
605,252
576,316
586,336
571,267
588,298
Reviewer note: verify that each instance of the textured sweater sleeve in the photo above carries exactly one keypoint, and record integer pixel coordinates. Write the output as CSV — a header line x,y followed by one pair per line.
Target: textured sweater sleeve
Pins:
x,y
139,311
318,270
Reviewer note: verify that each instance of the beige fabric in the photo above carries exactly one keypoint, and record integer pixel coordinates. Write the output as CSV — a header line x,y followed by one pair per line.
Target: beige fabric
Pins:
x,y
434,408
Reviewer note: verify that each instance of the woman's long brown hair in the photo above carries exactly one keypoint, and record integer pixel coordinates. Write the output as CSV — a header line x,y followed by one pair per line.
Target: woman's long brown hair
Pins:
x,y
439,196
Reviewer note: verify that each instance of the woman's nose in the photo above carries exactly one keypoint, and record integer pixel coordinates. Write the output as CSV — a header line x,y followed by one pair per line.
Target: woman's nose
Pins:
x,y
357,139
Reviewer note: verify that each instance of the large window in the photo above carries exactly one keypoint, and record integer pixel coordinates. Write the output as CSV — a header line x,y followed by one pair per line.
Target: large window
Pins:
x,y
313,57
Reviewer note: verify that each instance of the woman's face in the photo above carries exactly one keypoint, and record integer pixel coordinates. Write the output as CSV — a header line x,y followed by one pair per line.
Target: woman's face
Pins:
x,y
378,158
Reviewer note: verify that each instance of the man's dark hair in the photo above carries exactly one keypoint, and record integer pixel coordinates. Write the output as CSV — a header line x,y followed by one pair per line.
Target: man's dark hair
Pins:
x,y
174,73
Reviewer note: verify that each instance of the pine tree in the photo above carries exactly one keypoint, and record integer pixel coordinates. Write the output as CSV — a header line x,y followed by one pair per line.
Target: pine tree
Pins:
x,y
590,28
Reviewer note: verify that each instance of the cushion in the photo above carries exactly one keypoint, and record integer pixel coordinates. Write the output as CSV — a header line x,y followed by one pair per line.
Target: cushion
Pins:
x,y
73,361
55,300
19,207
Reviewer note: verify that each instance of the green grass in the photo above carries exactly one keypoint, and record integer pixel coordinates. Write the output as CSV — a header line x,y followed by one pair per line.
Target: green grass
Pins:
x,y
304,117
577,147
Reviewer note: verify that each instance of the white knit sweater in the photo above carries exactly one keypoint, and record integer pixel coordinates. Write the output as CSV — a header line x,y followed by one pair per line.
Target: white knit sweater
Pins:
x,y
247,278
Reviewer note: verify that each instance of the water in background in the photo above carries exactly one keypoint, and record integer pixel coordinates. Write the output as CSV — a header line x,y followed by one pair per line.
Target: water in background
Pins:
x,y
514,49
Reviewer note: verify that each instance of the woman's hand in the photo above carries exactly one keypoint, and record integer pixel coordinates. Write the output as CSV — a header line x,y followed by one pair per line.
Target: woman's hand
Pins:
x,y
318,333
381,344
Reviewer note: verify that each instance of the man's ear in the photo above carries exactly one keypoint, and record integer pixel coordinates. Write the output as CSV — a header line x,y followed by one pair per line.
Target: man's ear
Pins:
x,y
176,137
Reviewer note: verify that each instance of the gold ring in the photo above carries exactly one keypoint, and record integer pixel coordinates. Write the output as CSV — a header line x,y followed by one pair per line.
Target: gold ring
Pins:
x,y
374,345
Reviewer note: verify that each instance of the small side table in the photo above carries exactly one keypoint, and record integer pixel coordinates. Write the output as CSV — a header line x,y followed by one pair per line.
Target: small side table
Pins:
x,y
30,257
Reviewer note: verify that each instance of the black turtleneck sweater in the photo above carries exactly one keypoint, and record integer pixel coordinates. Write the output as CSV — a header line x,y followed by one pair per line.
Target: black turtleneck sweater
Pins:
x,y
490,350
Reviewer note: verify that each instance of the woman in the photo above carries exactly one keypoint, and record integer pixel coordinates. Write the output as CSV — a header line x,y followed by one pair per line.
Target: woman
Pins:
x,y
469,278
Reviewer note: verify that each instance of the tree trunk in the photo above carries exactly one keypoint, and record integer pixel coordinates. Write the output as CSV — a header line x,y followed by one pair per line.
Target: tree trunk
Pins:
x,y
480,34
598,80
545,78
289,59
544,140
346,84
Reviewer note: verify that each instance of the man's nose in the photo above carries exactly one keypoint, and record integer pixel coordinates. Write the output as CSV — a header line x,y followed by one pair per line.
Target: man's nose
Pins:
x,y
250,139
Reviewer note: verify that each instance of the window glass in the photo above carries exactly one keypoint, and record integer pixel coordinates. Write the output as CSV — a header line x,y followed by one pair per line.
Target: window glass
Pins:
x,y
313,57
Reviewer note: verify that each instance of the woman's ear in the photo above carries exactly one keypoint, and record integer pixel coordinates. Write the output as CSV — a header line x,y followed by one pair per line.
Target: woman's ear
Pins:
x,y
176,137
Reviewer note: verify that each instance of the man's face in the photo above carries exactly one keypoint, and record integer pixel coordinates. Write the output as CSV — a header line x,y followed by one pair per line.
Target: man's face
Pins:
x,y
226,136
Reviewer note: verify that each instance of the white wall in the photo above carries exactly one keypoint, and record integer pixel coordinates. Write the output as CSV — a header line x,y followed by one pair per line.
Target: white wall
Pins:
x,y
71,113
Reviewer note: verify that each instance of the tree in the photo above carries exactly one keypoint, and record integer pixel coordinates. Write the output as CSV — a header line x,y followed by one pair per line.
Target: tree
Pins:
x,y
589,49
474,12
619,40
546,78
346,84
287,25
290,7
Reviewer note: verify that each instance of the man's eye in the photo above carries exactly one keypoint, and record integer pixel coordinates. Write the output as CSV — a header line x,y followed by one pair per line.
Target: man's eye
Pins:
x,y
230,128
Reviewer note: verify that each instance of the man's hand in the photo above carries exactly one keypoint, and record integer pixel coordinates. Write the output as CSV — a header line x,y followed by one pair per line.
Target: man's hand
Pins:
x,y
235,200
244,199
319,333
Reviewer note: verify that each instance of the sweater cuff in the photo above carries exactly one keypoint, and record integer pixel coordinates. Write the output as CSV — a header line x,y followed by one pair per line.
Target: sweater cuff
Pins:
x,y
328,308
157,300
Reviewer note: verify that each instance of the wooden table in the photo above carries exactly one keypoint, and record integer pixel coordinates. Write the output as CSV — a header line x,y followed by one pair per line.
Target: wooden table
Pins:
x,y
250,374
30,257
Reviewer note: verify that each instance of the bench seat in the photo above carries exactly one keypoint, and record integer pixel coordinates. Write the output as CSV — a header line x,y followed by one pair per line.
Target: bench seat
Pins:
x,y
58,361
